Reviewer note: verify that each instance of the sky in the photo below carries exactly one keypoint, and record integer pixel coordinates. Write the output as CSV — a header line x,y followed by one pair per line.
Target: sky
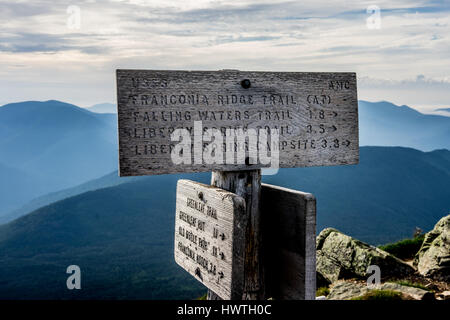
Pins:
x,y
69,50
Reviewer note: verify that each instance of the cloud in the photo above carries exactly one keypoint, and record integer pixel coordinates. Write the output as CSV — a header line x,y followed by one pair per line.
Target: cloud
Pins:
x,y
14,10
421,92
44,43
309,35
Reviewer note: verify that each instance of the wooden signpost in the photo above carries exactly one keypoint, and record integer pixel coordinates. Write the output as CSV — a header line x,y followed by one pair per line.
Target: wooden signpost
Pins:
x,y
180,121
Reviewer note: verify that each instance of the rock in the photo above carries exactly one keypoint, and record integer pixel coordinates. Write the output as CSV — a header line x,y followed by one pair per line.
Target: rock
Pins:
x,y
433,258
415,293
346,290
321,298
342,257
444,295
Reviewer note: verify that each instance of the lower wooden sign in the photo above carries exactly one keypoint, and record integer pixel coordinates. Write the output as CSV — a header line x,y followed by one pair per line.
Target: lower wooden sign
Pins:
x,y
210,227
289,243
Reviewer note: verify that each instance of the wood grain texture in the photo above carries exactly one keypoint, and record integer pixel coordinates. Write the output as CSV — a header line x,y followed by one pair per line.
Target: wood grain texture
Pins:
x,y
316,115
247,184
289,226
210,228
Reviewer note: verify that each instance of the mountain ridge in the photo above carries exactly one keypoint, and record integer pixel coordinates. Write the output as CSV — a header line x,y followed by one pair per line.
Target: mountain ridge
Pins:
x,y
437,160
122,236
443,109
108,180
59,144
386,124
103,108
62,151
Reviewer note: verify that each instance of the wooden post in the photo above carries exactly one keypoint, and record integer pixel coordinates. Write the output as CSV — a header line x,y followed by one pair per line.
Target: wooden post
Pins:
x,y
247,184
289,243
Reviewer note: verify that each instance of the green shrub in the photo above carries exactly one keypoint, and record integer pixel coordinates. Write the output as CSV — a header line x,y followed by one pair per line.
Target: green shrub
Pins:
x,y
322,291
384,295
404,249
412,284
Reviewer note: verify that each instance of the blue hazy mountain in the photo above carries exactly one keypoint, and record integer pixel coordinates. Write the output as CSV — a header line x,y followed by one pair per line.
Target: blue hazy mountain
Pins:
x,y
16,187
109,180
383,198
103,108
443,109
122,236
385,124
58,145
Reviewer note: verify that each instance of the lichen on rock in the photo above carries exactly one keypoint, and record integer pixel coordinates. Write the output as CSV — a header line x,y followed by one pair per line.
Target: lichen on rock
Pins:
x,y
340,256
433,258
346,290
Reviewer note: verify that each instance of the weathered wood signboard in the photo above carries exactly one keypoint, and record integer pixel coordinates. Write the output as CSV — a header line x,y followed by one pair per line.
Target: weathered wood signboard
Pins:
x,y
210,228
290,251
314,115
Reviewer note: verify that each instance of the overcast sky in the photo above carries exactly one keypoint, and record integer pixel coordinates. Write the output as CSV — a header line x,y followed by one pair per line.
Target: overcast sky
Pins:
x,y
45,54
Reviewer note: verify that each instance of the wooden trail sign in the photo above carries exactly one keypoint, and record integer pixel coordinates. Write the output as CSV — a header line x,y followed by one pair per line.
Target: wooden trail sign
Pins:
x,y
289,219
314,114
243,240
210,227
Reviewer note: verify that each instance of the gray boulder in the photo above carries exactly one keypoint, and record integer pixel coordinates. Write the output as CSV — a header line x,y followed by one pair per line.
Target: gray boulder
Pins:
x,y
342,257
345,290
444,295
414,293
433,258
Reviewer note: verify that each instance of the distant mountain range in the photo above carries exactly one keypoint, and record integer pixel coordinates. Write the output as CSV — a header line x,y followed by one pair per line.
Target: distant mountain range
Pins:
x,y
50,146
17,187
383,198
122,236
385,124
443,109
65,204
109,180
103,108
